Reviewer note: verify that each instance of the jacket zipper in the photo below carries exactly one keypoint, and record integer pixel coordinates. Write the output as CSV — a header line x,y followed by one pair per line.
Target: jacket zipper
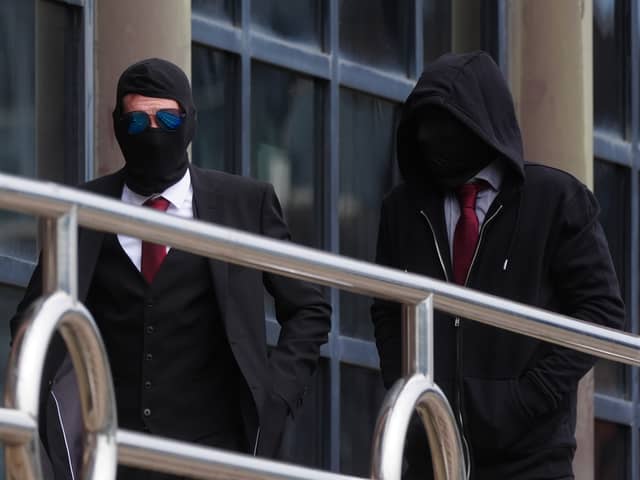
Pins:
x,y
255,447
467,452
435,241
459,340
482,229
465,445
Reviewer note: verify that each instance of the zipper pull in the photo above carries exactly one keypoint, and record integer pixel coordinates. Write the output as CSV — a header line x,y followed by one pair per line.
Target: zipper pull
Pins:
x,y
457,322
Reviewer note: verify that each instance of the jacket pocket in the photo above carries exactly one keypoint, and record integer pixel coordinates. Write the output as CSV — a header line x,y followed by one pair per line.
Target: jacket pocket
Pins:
x,y
494,415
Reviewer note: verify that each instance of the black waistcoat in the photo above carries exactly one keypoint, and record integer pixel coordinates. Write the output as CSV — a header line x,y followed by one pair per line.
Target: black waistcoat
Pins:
x,y
173,370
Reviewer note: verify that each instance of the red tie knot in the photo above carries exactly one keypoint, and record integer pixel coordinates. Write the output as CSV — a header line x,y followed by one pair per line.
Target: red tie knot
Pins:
x,y
468,193
157,203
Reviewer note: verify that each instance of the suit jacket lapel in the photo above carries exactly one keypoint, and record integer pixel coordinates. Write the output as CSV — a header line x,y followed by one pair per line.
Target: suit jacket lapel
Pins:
x,y
208,205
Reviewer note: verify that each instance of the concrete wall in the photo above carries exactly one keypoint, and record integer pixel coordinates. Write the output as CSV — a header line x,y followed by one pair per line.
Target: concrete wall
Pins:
x,y
551,76
128,31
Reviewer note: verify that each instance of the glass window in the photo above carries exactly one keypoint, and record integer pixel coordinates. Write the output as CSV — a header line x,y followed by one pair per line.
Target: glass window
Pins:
x,y
17,89
222,9
378,33
286,145
367,132
611,450
54,77
610,65
436,28
299,21
59,92
359,407
213,82
613,194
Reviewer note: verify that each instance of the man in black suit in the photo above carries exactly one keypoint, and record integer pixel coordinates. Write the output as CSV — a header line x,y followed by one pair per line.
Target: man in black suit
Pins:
x,y
185,335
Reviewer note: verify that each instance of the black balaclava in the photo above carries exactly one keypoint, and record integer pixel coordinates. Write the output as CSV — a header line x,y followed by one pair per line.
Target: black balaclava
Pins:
x,y
451,153
155,158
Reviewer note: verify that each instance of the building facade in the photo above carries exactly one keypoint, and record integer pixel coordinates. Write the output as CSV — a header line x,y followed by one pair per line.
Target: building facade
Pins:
x,y
305,94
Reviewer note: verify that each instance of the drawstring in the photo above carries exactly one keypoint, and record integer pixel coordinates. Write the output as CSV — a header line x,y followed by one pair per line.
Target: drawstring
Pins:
x,y
514,233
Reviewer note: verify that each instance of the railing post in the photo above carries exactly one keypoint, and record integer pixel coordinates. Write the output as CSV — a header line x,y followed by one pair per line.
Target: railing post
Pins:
x,y
59,238
417,339
417,392
48,241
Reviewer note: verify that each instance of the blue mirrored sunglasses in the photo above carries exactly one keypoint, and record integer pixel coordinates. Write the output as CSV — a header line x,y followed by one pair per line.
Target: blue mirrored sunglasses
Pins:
x,y
167,119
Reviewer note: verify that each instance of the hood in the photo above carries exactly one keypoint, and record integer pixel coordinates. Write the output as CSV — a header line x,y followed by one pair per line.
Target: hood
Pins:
x,y
471,87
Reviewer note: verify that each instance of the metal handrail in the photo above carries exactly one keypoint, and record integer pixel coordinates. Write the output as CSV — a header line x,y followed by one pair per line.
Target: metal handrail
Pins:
x,y
418,294
234,246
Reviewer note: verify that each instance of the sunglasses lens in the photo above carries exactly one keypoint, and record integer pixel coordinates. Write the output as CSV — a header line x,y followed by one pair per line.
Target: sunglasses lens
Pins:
x,y
138,122
170,119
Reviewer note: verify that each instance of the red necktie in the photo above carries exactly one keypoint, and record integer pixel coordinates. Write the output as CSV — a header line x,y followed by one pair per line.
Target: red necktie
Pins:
x,y
152,253
465,238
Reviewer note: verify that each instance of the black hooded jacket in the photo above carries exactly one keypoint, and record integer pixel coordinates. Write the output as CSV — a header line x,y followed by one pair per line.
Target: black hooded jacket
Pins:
x,y
540,244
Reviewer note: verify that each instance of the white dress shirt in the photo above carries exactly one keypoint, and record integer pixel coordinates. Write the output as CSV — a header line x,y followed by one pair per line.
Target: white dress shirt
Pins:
x,y
180,197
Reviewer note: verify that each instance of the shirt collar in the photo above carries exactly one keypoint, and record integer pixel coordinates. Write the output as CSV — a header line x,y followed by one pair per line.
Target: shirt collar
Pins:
x,y
176,193
492,174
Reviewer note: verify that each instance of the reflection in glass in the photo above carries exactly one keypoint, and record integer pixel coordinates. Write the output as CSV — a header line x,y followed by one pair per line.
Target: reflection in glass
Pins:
x,y
378,33
17,88
214,94
220,9
17,117
611,69
613,194
361,395
611,450
299,21
59,93
436,28
367,127
286,145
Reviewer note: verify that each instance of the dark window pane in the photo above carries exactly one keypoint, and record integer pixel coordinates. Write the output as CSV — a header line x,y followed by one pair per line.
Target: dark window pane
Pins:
x,y
214,94
611,70
286,145
299,21
59,92
436,28
378,33
367,126
56,83
613,194
224,9
361,395
17,88
611,451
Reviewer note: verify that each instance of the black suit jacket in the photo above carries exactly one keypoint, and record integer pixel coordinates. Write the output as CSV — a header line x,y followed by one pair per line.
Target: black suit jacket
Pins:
x,y
276,382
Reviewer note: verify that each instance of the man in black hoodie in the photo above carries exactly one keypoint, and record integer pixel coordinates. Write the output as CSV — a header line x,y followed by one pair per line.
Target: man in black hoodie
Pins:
x,y
473,212
185,335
